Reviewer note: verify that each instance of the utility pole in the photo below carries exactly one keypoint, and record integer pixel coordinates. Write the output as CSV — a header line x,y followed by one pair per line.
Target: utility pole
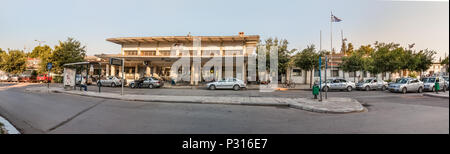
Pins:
x,y
123,63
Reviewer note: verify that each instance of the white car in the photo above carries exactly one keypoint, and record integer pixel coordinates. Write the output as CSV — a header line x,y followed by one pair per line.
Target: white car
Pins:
x,y
429,83
372,84
231,83
5,78
338,84
405,85
110,81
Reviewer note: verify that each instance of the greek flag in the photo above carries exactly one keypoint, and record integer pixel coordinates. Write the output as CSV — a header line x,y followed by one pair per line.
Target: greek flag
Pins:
x,y
335,19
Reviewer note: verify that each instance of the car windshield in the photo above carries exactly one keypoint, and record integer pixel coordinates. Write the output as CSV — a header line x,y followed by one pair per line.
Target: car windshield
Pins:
x,y
368,81
446,78
402,81
429,80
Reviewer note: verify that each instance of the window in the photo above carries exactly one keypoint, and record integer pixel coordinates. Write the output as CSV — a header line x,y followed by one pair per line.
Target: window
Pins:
x,y
296,72
131,53
364,74
335,73
164,53
335,81
148,53
343,81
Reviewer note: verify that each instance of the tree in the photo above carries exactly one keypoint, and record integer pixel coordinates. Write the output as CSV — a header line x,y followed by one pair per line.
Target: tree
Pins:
x,y
284,54
386,58
425,60
40,51
307,60
44,53
445,63
354,62
69,51
13,62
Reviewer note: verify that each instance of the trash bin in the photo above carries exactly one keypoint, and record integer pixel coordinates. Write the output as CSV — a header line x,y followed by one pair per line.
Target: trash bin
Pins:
x,y
315,91
436,86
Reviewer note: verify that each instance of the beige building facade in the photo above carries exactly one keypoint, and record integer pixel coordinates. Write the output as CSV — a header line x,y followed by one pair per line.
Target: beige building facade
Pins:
x,y
155,56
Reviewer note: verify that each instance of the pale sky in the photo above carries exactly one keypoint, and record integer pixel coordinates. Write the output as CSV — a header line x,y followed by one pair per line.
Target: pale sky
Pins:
x,y
425,23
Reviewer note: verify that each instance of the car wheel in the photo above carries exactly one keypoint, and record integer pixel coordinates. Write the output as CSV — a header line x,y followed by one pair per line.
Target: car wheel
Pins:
x,y
150,86
420,90
349,89
367,88
236,88
113,84
132,85
404,90
383,88
212,87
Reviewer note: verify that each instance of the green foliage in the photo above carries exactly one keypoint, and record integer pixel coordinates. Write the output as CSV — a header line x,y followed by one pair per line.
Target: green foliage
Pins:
x,y
69,51
354,62
425,59
13,62
283,53
57,79
307,59
445,63
44,53
412,75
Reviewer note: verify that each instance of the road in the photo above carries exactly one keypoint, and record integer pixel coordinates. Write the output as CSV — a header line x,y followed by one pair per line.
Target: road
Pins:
x,y
61,113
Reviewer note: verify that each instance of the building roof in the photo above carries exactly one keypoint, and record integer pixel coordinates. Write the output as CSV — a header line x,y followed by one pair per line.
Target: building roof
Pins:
x,y
122,40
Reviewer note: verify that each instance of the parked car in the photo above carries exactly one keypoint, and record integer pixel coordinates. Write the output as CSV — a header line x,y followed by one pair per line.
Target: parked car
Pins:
x,y
146,82
14,78
44,78
230,83
372,84
338,84
110,81
429,83
405,85
5,78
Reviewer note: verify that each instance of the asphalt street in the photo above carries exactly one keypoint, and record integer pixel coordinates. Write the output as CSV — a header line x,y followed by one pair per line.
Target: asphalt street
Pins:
x,y
61,113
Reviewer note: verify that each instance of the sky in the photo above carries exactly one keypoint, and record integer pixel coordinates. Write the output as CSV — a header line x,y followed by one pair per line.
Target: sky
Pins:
x,y
425,23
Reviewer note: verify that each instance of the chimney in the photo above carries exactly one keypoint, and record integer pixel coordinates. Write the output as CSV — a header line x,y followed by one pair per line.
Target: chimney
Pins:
x,y
241,34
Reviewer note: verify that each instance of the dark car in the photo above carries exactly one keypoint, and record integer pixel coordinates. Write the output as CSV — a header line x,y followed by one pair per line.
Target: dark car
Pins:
x,y
146,82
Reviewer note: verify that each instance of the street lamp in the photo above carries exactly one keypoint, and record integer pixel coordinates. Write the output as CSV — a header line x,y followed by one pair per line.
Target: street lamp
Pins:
x,y
40,42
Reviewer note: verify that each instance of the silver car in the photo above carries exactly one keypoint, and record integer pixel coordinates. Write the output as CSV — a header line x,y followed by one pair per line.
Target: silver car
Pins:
x,y
446,82
14,78
5,78
338,84
231,83
147,82
429,83
110,81
372,84
405,85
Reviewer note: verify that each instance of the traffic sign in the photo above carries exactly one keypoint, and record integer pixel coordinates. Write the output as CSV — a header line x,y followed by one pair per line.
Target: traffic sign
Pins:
x,y
49,66
115,61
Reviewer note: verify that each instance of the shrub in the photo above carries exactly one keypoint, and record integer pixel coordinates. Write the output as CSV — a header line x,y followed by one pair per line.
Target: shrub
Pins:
x,y
57,79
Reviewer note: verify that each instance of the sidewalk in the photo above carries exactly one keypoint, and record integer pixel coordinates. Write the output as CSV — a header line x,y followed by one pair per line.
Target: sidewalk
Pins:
x,y
440,95
332,105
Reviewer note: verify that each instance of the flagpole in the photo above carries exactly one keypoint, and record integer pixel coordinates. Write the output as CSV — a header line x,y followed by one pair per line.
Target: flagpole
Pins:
x,y
331,42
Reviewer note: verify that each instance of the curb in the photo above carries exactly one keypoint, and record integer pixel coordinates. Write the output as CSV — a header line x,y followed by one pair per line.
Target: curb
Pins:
x,y
437,96
171,101
295,105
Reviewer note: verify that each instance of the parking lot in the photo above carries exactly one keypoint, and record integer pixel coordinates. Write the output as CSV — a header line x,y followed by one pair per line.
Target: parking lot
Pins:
x,y
202,91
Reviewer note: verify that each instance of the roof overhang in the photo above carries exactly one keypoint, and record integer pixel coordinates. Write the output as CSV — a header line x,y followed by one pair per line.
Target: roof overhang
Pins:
x,y
175,39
